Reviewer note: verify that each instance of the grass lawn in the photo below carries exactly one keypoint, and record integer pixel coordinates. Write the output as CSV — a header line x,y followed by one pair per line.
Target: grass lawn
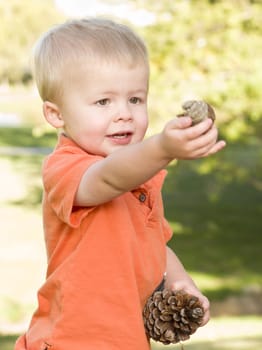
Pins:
x,y
219,334
223,334
214,207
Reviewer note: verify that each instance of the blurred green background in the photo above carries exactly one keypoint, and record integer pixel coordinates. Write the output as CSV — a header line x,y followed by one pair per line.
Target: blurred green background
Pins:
x,y
202,49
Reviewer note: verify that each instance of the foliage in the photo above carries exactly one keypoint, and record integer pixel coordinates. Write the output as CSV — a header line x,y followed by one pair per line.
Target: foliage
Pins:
x,y
211,50
21,24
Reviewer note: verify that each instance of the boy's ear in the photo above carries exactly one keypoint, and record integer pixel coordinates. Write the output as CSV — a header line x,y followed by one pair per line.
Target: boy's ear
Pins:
x,y
52,114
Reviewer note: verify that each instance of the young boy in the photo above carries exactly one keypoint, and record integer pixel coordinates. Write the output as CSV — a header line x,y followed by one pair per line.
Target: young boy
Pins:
x,y
102,209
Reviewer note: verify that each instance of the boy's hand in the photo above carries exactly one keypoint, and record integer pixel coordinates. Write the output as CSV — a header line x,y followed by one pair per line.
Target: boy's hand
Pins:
x,y
190,287
178,279
180,140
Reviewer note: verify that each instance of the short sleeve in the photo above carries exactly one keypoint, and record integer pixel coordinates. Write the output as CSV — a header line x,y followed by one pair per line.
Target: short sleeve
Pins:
x,y
62,173
168,232
155,185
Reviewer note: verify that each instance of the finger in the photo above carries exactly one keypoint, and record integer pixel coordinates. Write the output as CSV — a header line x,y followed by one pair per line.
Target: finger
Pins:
x,y
205,303
200,129
180,123
206,318
211,149
206,307
207,139
217,147
202,145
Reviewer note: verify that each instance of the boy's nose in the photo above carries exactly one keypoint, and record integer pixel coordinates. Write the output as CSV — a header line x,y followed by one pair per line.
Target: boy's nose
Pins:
x,y
123,113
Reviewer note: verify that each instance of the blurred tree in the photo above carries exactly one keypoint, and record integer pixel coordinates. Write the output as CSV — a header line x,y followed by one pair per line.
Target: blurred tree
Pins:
x,y
21,23
208,49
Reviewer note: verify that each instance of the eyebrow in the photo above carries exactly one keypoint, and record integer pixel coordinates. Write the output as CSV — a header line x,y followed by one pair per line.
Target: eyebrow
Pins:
x,y
138,91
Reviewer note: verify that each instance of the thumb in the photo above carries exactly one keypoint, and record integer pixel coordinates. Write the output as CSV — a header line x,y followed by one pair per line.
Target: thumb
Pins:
x,y
180,123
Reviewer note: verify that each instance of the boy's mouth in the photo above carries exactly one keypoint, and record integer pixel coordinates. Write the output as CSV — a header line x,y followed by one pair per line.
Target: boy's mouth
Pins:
x,y
121,138
120,135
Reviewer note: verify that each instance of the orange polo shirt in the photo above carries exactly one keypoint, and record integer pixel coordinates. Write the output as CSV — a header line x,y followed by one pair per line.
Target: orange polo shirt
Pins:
x,y
103,261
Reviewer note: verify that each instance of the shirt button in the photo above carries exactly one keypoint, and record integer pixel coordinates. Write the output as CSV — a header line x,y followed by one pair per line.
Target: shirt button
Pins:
x,y
142,197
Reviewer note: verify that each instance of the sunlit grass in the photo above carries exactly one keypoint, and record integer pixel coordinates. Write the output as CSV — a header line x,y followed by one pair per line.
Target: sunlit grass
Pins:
x,y
223,333
227,333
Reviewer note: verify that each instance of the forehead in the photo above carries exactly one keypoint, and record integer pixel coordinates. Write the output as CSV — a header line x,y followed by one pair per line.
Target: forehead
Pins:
x,y
98,81
103,71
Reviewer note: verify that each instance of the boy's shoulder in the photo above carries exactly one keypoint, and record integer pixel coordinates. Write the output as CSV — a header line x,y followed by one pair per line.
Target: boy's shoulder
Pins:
x,y
67,157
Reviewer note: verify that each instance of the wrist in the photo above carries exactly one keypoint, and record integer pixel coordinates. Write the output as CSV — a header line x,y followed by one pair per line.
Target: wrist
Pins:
x,y
161,150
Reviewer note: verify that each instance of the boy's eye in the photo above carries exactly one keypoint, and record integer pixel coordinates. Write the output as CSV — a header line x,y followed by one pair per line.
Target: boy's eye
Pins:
x,y
135,100
103,102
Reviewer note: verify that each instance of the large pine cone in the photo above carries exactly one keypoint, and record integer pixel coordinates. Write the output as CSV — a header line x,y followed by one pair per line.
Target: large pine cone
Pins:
x,y
172,316
198,111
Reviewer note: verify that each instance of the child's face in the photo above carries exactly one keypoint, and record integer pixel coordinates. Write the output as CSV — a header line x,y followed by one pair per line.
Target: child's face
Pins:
x,y
104,107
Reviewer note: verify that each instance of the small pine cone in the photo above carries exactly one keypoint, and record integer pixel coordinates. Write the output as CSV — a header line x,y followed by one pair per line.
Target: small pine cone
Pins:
x,y
198,111
172,316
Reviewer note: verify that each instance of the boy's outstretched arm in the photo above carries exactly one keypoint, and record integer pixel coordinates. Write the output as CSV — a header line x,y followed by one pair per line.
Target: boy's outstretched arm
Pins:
x,y
178,279
129,167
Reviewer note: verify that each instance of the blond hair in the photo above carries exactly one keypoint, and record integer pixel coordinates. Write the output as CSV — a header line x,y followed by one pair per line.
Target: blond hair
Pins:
x,y
91,39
